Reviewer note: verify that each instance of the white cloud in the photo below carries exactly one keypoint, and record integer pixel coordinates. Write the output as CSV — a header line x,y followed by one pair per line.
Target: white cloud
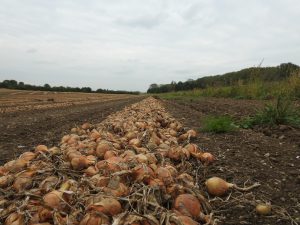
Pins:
x,y
129,44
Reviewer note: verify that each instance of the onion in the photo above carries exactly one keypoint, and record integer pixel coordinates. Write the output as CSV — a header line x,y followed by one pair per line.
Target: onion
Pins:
x,y
80,162
72,154
151,158
94,219
108,206
172,170
156,183
187,179
130,135
128,155
118,190
191,133
15,165
6,181
164,175
86,126
27,156
102,148
41,148
185,220
141,158
54,151
109,154
218,187
95,135
173,125
15,219
188,205
142,173
65,139
100,181
263,209
183,137
48,184
54,198
22,183
173,133
91,171
3,171
115,164
207,157
135,142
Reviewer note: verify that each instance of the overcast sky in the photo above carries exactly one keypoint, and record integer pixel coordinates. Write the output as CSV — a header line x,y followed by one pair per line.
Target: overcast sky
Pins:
x,y
129,44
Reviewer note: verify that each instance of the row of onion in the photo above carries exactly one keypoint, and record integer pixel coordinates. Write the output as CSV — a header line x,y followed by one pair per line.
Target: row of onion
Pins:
x,y
129,169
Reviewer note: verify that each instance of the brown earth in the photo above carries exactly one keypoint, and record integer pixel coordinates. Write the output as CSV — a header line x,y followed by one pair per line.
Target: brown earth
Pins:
x,y
21,100
22,130
268,156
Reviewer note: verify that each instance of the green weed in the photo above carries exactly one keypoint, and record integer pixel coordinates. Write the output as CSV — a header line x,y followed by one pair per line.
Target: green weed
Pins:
x,y
218,124
282,111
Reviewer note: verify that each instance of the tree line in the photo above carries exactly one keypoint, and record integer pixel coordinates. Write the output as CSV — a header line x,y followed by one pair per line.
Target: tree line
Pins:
x,y
13,84
243,76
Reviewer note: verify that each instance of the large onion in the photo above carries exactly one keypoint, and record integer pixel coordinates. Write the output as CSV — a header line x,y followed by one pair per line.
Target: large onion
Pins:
x,y
188,205
94,219
108,206
15,219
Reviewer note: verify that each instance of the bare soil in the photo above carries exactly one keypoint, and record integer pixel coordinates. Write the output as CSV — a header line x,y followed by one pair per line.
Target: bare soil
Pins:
x,y
22,130
270,156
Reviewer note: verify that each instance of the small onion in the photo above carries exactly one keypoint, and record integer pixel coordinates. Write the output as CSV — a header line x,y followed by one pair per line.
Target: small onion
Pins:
x,y
135,142
79,163
141,158
86,126
192,133
109,154
164,175
6,181
27,156
41,148
218,187
207,157
102,148
22,183
263,209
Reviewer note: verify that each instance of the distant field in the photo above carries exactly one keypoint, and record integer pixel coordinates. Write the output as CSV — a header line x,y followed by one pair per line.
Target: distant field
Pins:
x,y
19,100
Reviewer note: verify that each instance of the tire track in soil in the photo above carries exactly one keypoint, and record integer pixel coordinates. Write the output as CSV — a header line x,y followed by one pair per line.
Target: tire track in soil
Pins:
x,y
21,131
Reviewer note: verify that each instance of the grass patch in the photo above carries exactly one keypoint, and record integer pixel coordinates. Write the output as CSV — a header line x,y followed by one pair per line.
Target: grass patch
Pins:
x,y
218,124
282,111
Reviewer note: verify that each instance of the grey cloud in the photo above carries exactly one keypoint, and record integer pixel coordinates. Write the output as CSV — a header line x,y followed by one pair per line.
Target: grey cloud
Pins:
x,y
129,44
31,50
144,21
